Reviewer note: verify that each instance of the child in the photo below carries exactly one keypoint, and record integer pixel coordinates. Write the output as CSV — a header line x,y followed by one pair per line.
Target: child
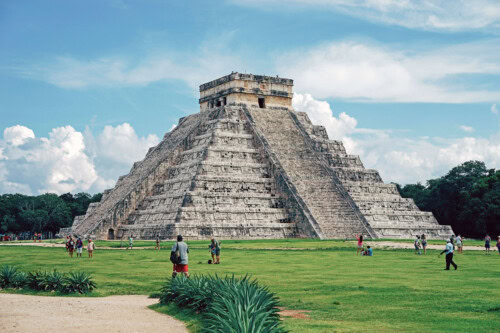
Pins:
x,y
417,245
369,251
90,248
360,243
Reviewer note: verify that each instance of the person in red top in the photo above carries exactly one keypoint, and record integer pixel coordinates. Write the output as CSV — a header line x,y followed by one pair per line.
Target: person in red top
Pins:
x,y
360,243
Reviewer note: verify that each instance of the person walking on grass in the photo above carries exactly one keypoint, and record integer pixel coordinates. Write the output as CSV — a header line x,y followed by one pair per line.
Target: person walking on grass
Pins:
x,y
130,242
449,255
157,247
90,248
360,243
487,241
417,245
424,243
71,246
79,247
460,243
215,251
179,257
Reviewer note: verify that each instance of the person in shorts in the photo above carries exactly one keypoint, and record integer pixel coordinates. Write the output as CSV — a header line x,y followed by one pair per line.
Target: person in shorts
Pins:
x,y
90,248
424,243
360,243
79,247
460,244
182,266
157,243
215,251
416,243
487,241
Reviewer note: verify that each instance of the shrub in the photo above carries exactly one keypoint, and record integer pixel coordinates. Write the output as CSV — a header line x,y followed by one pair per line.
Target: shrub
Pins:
x,y
80,282
7,276
52,281
35,280
20,280
227,304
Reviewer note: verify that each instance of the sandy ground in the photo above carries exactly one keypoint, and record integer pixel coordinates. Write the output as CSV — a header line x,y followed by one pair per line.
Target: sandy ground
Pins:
x,y
25,313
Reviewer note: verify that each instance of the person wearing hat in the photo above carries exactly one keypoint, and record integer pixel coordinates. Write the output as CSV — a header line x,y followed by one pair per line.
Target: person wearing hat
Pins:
x,y
449,255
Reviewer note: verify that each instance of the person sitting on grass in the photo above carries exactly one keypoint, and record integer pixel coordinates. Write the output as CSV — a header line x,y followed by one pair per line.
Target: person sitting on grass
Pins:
x,y
449,255
369,251
360,243
90,248
181,250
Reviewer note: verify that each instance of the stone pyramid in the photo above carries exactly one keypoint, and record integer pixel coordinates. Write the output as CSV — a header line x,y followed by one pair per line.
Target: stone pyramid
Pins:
x,y
248,166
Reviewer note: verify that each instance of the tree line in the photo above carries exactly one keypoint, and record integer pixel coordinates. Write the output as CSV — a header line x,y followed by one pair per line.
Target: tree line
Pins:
x,y
43,213
467,198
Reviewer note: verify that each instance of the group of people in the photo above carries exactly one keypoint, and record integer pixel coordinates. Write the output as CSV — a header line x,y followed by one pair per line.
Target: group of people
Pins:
x,y
361,249
37,236
180,259
487,244
72,245
420,242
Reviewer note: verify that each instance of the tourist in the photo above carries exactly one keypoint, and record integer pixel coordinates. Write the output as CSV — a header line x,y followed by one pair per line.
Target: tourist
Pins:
x,y
449,255
360,243
79,247
39,237
215,251
130,242
369,251
71,246
35,236
157,242
417,245
487,241
67,243
182,249
498,244
459,243
90,248
424,243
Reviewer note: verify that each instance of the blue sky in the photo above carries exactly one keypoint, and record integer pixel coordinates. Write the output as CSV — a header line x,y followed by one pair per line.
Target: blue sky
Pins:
x,y
87,86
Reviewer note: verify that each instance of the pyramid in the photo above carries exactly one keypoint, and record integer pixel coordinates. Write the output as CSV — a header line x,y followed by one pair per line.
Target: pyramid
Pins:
x,y
248,166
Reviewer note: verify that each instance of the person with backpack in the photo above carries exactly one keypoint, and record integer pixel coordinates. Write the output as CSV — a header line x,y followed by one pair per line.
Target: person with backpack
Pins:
x,y
215,250
179,257
79,247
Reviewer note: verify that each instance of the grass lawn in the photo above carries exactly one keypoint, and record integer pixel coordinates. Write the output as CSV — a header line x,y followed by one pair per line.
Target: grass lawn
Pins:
x,y
394,290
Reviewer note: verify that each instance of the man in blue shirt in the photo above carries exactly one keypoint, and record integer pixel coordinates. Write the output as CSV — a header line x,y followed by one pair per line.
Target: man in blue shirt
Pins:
x,y
449,255
369,251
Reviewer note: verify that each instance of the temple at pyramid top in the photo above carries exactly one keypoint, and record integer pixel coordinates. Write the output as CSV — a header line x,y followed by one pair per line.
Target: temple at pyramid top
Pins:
x,y
249,89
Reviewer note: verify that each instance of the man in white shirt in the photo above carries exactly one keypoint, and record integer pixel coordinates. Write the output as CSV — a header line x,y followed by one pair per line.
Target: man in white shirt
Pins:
x,y
449,255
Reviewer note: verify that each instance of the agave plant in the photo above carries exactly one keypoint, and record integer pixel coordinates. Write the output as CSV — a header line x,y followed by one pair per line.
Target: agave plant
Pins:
x,y
35,280
20,280
80,282
52,281
228,304
7,276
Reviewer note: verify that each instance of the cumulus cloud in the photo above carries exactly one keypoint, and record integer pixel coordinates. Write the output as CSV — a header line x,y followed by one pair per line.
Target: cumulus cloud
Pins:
x,y
467,129
67,160
400,159
456,15
369,72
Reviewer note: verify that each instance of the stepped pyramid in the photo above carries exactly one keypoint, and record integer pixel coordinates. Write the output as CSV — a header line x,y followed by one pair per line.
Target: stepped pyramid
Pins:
x,y
248,166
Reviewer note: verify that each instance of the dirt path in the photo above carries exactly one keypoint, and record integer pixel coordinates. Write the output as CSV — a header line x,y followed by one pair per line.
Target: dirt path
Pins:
x,y
24,313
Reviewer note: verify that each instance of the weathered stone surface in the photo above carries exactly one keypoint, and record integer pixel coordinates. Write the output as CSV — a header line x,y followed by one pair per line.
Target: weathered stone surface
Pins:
x,y
249,166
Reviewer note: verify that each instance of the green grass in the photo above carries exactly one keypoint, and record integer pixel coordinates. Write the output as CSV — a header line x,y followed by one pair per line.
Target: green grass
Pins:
x,y
394,290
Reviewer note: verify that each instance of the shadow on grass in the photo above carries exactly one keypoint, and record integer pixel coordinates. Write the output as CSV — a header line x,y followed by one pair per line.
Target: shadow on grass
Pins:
x,y
191,319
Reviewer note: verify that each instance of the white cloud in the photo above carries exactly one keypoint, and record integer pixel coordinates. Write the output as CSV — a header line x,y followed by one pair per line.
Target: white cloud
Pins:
x,y
494,109
367,72
399,159
443,15
467,129
68,160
